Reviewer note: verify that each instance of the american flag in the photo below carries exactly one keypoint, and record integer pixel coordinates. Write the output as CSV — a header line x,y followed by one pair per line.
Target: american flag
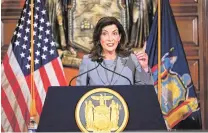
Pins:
x,y
16,69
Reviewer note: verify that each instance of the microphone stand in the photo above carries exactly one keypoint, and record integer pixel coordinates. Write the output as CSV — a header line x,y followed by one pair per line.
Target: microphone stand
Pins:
x,y
116,73
99,60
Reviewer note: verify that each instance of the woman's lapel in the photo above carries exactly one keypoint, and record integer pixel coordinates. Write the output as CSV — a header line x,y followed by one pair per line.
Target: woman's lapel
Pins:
x,y
121,62
101,74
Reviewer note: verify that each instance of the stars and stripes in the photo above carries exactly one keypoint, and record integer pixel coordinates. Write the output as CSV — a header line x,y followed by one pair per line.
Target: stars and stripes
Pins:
x,y
16,68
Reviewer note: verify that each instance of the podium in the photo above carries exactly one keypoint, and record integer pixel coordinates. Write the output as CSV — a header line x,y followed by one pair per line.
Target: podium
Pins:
x,y
58,114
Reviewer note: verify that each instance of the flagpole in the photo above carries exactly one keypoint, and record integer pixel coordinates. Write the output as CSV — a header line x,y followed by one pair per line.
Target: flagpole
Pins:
x,y
159,52
33,112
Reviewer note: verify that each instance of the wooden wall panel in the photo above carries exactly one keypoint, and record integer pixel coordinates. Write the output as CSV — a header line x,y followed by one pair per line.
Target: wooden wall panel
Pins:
x,y
194,69
187,23
9,26
203,40
188,29
205,47
10,13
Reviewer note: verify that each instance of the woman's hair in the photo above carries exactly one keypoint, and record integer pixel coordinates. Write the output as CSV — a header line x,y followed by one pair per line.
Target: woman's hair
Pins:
x,y
121,49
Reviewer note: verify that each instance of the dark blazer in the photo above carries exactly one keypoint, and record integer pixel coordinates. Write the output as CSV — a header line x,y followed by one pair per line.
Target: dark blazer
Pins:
x,y
127,66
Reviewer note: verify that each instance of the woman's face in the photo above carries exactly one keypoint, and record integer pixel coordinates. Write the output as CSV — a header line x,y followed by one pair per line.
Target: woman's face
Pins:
x,y
109,38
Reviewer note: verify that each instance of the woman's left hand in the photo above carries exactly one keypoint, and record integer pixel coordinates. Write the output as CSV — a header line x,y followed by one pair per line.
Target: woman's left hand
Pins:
x,y
142,58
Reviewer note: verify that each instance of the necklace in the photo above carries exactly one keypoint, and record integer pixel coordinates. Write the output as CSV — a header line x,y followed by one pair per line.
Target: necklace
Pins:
x,y
111,66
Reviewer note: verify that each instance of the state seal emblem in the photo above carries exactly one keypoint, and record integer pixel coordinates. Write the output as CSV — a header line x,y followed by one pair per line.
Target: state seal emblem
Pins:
x,y
101,110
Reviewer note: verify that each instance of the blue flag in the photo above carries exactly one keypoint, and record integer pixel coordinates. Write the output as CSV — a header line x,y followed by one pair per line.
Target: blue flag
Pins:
x,y
179,104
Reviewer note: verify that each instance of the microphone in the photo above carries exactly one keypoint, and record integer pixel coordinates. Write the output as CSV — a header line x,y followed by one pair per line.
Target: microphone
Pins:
x,y
99,60
113,71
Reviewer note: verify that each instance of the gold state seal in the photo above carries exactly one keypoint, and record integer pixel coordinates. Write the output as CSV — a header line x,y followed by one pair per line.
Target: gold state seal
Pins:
x,y
101,110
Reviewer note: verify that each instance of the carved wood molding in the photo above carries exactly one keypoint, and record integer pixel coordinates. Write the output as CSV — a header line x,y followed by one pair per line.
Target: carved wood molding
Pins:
x,y
11,9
